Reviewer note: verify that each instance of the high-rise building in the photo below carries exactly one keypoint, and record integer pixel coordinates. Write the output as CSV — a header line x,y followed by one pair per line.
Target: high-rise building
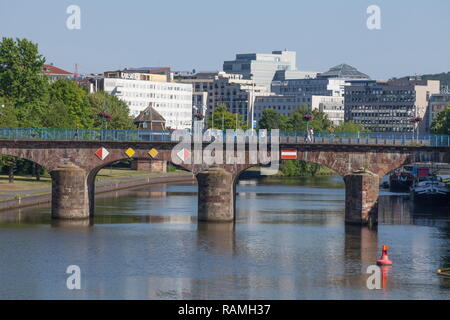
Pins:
x,y
261,67
389,106
220,88
310,87
173,101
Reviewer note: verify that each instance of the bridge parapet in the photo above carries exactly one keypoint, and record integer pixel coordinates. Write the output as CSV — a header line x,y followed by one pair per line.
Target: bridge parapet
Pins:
x,y
359,138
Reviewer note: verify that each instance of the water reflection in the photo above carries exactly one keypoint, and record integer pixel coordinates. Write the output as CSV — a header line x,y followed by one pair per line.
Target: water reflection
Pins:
x,y
289,242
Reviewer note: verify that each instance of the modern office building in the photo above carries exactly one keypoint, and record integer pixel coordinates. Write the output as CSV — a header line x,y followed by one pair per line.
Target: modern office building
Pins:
x,y
310,87
437,103
173,101
281,75
283,104
389,106
332,106
343,71
261,67
220,88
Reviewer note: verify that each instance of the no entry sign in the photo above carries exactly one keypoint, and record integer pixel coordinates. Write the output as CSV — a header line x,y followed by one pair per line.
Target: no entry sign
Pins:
x,y
289,154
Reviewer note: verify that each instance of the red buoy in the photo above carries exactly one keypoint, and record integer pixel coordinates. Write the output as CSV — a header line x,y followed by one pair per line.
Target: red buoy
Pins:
x,y
384,260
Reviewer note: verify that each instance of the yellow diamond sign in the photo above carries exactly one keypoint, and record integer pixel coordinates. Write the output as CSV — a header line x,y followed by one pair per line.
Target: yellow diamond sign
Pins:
x,y
130,152
153,153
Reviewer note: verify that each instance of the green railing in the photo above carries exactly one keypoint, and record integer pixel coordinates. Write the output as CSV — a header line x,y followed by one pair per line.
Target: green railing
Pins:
x,y
85,134
405,139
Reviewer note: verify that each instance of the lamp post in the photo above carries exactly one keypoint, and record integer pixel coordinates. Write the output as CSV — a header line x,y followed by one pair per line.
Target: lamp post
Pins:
x,y
415,121
307,117
252,102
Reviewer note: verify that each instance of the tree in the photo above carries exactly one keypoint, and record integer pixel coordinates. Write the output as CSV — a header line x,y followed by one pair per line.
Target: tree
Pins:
x,y
75,100
58,116
441,124
223,120
319,122
22,81
8,118
271,119
102,102
350,126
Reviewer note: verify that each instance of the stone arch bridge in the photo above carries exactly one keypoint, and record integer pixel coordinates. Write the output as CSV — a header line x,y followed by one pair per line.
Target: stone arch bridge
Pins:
x,y
73,166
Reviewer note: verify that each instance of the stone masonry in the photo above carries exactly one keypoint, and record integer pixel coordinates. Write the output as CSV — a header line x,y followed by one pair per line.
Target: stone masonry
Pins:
x,y
73,166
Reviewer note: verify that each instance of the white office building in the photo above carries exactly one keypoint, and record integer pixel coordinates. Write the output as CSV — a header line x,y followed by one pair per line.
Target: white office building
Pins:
x,y
284,105
219,88
171,100
332,106
261,67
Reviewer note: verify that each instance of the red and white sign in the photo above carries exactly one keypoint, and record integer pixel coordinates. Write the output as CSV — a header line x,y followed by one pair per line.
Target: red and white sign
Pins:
x,y
184,154
102,153
289,154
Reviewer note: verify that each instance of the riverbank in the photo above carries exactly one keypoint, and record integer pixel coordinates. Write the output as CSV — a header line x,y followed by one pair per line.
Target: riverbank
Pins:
x,y
27,192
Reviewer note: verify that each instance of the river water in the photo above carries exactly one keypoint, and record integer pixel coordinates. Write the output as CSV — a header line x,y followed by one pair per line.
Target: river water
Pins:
x,y
289,242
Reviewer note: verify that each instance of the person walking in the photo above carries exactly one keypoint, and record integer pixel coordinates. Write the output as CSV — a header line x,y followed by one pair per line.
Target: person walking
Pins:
x,y
311,135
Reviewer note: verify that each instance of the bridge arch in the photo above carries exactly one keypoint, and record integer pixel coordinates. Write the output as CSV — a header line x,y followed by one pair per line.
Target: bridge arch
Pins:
x,y
27,154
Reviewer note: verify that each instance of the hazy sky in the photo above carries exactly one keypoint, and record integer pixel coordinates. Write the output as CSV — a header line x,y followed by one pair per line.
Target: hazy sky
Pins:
x,y
201,34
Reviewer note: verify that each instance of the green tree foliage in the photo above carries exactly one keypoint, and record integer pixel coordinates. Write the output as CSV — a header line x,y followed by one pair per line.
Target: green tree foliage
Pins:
x,y
295,168
8,118
22,81
350,126
104,102
224,120
75,100
441,124
58,117
271,119
319,122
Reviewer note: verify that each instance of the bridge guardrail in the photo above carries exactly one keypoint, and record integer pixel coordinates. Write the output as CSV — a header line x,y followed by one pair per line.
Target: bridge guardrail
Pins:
x,y
376,138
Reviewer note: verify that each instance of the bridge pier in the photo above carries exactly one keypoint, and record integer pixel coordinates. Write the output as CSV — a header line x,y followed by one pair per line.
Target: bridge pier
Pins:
x,y
361,198
70,198
215,195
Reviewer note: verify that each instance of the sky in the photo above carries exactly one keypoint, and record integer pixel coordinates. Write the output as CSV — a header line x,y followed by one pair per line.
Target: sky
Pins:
x,y
201,34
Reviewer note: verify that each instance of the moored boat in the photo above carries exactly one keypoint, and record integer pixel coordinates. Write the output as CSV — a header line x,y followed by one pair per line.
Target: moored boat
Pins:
x,y
430,189
401,180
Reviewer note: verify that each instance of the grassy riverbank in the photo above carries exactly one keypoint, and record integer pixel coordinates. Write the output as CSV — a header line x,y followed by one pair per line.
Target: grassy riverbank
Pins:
x,y
26,185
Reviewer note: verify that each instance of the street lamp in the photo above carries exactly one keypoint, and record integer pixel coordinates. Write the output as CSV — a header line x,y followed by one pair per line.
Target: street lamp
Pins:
x,y
307,118
415,121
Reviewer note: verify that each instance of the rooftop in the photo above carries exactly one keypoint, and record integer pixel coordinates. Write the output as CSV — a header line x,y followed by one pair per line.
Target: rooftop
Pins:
x,y
344,71
51,69
149,114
